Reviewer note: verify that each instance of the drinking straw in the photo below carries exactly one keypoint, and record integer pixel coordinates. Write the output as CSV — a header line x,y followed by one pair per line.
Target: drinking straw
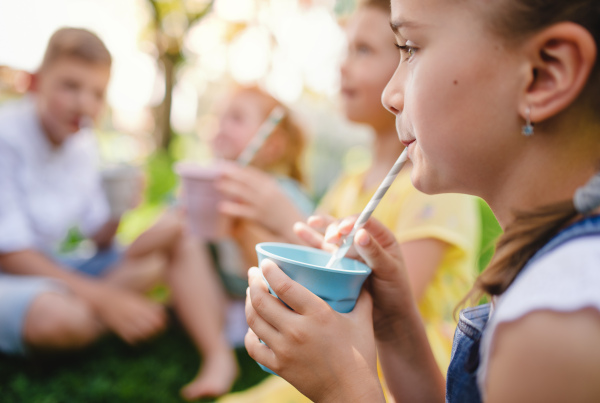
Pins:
x,y
261,135
368,210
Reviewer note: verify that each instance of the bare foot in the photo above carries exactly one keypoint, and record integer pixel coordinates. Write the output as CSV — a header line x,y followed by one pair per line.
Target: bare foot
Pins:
x,y
214,379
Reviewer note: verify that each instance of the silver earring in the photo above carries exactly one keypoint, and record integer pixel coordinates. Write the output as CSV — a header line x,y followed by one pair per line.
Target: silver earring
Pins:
x,y
527,129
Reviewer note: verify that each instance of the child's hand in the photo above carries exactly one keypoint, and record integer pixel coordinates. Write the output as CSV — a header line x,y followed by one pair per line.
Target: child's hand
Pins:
x,y
326,355
131,316
377,247
389,284
255,195
323,232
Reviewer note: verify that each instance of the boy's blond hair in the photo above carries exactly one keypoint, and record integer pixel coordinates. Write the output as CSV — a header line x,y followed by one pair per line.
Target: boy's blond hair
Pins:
x,y
76,43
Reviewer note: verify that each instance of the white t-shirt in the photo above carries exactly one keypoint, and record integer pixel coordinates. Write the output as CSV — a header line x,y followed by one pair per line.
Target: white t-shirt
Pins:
x,y
565,279
45,190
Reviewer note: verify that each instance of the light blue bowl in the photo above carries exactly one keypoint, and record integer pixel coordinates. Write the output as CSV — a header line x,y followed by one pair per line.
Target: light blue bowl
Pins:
x,y
339,286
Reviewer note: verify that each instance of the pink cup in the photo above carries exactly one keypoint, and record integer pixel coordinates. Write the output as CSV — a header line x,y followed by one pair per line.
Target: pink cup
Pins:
x,y
201,198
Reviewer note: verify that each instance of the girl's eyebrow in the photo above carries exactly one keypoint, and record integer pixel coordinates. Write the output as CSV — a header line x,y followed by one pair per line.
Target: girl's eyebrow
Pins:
x,y
399,24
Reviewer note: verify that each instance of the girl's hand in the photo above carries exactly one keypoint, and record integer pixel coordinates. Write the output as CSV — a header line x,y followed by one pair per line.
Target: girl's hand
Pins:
x,y
312,233
326,355
255,195
376,246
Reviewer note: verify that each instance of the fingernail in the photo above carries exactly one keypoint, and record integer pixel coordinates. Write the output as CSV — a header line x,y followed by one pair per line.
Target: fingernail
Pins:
x,y
363,238
346,221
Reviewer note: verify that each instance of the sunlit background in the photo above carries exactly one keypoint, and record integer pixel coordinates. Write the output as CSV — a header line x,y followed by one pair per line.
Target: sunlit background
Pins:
x,y
193,49
172,62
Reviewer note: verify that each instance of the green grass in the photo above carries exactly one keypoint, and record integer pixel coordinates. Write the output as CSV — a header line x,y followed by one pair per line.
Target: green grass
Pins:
x,y
111,371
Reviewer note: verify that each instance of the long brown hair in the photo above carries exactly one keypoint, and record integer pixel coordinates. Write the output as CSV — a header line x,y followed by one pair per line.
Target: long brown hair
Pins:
x,y
530,230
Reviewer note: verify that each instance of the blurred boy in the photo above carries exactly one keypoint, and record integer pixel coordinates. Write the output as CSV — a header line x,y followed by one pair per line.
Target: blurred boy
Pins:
x,y
49,183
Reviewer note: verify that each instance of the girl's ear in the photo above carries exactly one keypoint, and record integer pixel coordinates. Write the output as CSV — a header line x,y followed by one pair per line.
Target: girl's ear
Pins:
x,y
561,59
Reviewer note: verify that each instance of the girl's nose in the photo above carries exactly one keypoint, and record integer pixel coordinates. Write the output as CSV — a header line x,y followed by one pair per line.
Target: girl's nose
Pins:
x,y
392,97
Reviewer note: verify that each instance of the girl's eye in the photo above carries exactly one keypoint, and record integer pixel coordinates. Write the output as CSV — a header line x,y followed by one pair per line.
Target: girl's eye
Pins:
x,y
362,49
407,51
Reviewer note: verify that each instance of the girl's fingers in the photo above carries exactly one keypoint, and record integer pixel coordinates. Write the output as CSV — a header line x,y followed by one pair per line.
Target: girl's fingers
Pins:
x,y
381,234
336,230
374,255
260,326
332,235
320,222
237,210
346,224
266,305
234,189
259,352
307,234
297,297
248,176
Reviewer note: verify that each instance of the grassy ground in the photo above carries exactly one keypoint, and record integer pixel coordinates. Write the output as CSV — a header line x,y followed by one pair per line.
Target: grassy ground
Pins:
x,y
111,371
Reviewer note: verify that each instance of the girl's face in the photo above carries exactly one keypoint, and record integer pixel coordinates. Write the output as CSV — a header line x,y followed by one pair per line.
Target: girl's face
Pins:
x,y
240,120
455,97
370,63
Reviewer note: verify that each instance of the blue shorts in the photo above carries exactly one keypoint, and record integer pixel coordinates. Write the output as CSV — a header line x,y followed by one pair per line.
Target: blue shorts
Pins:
x,y
18,292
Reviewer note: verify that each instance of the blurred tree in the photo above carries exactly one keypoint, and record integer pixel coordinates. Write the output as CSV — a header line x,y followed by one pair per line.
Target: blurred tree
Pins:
x,y
171,21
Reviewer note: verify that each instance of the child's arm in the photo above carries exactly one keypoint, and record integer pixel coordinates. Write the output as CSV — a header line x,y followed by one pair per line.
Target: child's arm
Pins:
x,y
406,358
546,356
129,315
104,236
247,234
422,258
255,195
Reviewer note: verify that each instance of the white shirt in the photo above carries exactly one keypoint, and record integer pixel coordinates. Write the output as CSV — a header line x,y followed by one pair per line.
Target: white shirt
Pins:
x,y
45,190
565,279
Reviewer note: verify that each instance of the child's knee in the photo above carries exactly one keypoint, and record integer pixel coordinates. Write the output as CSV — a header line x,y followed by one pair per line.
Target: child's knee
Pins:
x,y
57,321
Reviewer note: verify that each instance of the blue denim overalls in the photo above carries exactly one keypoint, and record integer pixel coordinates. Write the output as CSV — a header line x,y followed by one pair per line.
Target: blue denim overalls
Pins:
x,y
461,382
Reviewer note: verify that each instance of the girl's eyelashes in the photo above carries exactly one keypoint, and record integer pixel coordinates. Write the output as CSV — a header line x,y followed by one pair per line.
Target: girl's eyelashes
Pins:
x,y
406,51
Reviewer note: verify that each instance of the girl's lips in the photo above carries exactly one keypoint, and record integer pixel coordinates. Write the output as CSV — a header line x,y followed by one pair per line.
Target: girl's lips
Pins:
x,y
407,142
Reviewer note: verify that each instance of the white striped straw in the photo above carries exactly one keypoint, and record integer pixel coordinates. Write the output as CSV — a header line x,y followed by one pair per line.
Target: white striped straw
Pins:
x,y
366,213
261,135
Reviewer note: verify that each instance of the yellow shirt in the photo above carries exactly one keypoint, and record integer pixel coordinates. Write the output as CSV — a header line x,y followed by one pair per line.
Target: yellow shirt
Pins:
x,y
411,215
